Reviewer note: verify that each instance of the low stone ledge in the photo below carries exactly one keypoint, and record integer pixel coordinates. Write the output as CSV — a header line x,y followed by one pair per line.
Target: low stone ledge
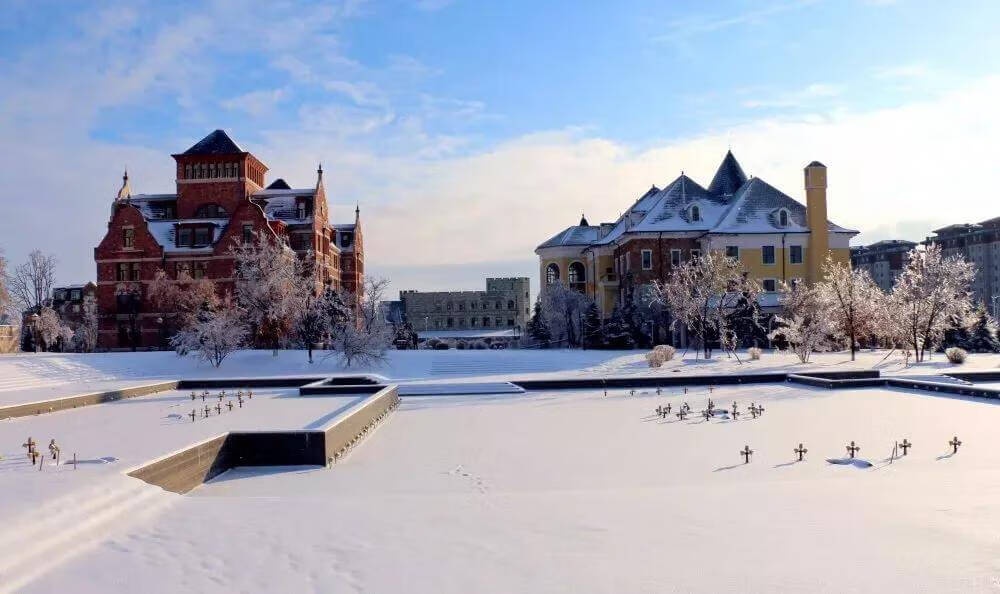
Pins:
x,y
46,406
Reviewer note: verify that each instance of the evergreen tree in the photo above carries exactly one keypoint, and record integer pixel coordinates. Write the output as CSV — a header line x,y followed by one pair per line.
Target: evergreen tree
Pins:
x,y
634,323
983,334
538,328
593,331
617,331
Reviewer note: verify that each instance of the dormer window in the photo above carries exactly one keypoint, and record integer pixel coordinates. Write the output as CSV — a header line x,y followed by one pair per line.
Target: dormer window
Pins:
x,y
695,213
782,218
210,211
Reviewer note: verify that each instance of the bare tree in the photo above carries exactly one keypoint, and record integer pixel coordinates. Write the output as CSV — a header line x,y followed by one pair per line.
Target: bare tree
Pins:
x,y
805,321
703,293
313,322
930,290
5,301
363,338
851,298
31,282
215,335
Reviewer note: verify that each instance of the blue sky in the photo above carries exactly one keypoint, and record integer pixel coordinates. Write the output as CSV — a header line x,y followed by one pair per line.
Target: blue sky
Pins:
x,y
469,132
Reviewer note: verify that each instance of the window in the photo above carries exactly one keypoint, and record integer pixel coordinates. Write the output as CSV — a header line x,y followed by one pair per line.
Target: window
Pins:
x,y
510,304
451,322
461,307
134,271
202,236
695,213
551,274
210,211
499,305
59,295
75,294
472,305
769,285
486,321
498,322
301,210
510,322
782,218
184,238
128,238
733,251
647,259
675,257
247,234
795,254
200,270
121,272
346,239
182,268
577,277
187,171
695,254
450,305
767,254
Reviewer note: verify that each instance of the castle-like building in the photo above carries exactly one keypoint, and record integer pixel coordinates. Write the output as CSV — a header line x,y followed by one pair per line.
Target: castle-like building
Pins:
x,y
222,199
775,237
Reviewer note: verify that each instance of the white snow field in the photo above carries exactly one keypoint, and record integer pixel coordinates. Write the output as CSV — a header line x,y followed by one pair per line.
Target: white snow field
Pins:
x,y
565,491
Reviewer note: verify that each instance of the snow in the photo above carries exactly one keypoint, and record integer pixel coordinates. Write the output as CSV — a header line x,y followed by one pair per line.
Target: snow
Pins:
x,y
577,492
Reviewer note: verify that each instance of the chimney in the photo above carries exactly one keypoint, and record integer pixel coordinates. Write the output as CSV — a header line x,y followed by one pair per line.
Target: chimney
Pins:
x,y
819,233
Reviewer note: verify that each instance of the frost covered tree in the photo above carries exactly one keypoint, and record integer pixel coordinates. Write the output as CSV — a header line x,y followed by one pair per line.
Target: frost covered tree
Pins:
x,y
562,309
975,332
85,335
215,334
617,332
850,297
538,329
47,328
805,322
593,328
268,282
313,323
30,284
930,291
364,337
181,300
5,301
703,293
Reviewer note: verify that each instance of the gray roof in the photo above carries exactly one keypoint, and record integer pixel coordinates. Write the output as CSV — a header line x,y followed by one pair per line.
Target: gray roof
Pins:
x,y
216,143
575,235
728,178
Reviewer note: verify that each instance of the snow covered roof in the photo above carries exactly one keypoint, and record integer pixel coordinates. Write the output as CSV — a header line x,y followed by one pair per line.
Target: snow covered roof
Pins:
x,y
216,143
424,334
343,226
165,234
732,204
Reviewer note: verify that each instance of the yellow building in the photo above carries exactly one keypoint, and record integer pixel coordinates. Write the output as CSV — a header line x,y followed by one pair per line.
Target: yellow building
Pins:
x,y
775,237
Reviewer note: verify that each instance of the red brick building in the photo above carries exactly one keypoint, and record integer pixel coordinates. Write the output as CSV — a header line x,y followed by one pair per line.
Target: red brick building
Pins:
x,y
221,200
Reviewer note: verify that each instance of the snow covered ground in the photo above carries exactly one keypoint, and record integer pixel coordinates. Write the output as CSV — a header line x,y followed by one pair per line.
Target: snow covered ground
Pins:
x,y
575,492
32,377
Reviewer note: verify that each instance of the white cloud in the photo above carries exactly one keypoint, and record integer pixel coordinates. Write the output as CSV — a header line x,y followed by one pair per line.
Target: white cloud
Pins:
x,y
257,103
800,98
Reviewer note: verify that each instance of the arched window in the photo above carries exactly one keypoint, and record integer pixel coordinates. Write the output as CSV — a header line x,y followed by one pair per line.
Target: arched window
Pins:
x,y
782,218
551,274
695,213
577,276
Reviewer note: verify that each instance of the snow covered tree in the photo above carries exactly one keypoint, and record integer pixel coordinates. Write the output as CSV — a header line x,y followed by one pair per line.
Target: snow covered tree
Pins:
x,y
593,329
562,309
538,329
850,297
364,337
618,332
405,337
85,336
312,324
929,291
47,328
181,300
215,334
31,283
5,301
805,322
268,282
703,293
975,332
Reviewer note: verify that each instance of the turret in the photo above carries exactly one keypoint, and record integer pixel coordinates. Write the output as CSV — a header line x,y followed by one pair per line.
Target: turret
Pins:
x,y
819,232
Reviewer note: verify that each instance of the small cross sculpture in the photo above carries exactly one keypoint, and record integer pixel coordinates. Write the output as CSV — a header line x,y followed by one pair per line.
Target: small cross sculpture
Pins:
x,y
239,394
203,394
706,414
250,394
240,400
666,411
685,390
760,410
853,449
632,392
30,444
218,408
230,404
746,453
800,451
658,391
954,443
753,410
711,389
193,396
681,414
687,407
192,415
711,405
207,411
906,445
53,449
659,410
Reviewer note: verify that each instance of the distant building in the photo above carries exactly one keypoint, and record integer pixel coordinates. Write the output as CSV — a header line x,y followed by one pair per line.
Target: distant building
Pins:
x,y
68,302
978,243
9,335
883,260
503,307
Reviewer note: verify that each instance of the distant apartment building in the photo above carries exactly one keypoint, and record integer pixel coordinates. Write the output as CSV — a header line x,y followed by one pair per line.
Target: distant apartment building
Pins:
x,y
504,305
978,243
883,260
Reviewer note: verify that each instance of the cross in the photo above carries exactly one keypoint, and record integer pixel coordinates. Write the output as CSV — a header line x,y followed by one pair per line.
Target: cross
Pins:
x,y
241,402
681,413
711,389
954,443
203,394
54,450
250,394
667,410
746,454
753,410
218,408
192,415
852,449
657,390
685,390
905,445
706,414
30,444
222,395
659,409
632,392
687,406
193,396
207,410
230,404
760,410
800,451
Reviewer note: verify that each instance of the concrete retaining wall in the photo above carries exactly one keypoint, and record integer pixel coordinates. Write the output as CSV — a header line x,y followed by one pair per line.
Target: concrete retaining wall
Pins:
x,y
47,406
190,467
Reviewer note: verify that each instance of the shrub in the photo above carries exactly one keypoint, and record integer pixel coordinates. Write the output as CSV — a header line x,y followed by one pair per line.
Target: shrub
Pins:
x,y
666,351
479,345
755,353
441,346
956,355
461,345
655,358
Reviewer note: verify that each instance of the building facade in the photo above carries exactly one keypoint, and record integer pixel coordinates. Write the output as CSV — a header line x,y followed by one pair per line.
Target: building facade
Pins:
x,y
69,302
883,260
504,305
775,237
221,200
978,243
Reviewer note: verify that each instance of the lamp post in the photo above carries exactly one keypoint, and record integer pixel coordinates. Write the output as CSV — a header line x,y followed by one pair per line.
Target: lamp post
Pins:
x,y
34,330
